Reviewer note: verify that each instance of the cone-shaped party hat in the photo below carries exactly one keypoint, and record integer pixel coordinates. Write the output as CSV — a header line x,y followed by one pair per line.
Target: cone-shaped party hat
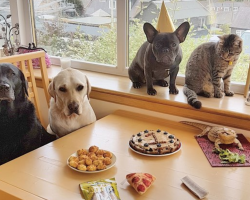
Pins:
x,y
164,23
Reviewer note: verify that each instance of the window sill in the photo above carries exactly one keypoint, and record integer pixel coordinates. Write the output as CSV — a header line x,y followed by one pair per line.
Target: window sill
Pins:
x,y
227,111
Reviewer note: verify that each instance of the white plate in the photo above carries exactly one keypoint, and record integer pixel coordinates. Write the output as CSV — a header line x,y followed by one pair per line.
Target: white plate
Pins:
x,y
113,160
155,155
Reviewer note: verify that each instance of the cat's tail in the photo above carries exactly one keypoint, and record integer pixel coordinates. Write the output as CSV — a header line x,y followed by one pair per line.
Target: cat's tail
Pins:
x,y
192,98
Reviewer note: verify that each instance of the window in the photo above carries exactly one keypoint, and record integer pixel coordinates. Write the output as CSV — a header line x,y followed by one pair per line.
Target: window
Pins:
x,y
4,11
83,32
235,8
246,40
64,27
226,9
112,4
204,28
239,32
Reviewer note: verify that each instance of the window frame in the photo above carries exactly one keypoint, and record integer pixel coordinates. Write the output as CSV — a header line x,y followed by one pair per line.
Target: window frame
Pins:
x,y
114,4
22,14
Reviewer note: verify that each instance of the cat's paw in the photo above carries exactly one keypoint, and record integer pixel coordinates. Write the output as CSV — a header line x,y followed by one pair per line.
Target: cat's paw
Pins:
x,y
162,83
152,91
136,85
173,89
218,94
229,93
205,94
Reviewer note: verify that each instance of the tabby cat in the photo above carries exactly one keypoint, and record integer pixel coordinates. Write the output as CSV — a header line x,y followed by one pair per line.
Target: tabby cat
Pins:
x,y
208,64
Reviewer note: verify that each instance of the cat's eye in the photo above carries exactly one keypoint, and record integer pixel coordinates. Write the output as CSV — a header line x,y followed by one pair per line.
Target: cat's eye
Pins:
x,y
62,89
173,45
79,88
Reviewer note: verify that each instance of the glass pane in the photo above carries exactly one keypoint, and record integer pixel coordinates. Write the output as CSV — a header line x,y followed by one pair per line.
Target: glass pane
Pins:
x,y
81,29
207,19
4,11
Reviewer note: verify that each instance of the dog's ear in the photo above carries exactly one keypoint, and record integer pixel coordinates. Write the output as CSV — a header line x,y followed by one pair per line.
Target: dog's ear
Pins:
x,y
150,32
182,31
88,86
51,90
24,84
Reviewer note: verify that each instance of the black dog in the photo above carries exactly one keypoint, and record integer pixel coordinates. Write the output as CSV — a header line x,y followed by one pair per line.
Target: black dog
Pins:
x,y
20,130
158,58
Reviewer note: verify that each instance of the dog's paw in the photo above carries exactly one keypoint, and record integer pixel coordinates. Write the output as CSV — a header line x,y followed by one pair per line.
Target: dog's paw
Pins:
x,y
229,93
152,91
136,85
162,83
173,89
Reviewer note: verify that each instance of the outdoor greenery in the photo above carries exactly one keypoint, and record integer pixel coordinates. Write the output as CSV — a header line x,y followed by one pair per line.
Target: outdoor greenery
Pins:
x,y
102,49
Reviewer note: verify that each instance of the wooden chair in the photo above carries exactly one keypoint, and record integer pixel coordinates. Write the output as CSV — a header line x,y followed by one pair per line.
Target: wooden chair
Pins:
x,y
30,77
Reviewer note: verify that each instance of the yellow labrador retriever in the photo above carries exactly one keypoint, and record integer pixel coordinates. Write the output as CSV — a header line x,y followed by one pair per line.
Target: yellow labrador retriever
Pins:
x,y
69,106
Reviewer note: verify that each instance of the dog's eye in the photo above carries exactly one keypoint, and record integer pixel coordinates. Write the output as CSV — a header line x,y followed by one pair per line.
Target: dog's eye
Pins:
x,y
62,89
157,45
79,88
11,73
173,45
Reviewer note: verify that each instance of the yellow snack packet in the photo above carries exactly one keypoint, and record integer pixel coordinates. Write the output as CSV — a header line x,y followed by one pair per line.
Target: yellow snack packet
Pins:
x,y
100,189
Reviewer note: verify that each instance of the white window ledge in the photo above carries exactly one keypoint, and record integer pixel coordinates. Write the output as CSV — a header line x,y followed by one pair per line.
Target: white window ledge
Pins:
x,y
227,111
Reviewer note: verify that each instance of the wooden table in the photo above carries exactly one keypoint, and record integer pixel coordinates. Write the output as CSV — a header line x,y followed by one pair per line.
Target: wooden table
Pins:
x,y
43,173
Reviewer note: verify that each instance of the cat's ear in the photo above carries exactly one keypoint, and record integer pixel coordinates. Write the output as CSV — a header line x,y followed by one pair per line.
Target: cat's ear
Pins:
x,y
182,31
150,32
238,42
221,37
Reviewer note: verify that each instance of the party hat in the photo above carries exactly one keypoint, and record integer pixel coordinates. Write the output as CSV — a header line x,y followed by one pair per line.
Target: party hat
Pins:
x,y
164,23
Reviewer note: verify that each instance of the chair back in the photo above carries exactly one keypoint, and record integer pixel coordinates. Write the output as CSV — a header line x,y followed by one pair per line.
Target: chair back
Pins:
x,y
24,62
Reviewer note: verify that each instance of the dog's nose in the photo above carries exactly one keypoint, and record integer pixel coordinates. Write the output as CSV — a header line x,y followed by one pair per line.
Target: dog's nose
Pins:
x,y
73,107
4,87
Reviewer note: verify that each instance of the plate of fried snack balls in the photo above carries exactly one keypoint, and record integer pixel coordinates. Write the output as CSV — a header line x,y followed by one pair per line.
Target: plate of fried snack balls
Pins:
x,y
91,160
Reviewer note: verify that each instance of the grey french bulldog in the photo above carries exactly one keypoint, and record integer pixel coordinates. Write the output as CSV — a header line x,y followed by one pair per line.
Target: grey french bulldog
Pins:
x,y
158,58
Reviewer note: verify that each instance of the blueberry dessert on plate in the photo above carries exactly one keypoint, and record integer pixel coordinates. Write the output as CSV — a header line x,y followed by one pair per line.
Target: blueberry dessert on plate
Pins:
x,y
154,142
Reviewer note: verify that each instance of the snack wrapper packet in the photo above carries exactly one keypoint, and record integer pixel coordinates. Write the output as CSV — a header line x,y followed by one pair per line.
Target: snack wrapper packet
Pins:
x,y
141,182
100,190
